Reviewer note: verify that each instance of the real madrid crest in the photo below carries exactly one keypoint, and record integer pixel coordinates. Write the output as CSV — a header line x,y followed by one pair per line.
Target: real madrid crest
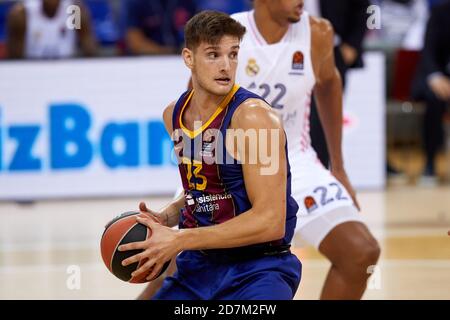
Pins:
x,y
252,68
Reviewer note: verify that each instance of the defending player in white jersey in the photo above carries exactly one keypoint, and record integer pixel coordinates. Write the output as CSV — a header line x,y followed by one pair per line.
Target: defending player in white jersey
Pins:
x,y
285,56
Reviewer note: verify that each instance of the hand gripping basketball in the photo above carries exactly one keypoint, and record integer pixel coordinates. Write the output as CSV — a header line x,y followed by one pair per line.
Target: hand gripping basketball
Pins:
x,y
124,230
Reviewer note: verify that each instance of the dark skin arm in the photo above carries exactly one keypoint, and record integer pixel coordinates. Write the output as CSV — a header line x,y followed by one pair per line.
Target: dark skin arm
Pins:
x,y
328,94
15,30
86,37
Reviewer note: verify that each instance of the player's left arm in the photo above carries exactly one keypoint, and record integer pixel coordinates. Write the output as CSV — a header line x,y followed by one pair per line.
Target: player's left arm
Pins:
x,y
328,95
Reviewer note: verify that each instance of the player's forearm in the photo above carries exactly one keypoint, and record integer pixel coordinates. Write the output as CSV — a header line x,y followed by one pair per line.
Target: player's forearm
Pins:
x,y
329,105
250,227
171,212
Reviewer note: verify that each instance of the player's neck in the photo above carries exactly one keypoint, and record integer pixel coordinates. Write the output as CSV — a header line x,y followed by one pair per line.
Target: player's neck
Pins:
x,y
271,30
203,104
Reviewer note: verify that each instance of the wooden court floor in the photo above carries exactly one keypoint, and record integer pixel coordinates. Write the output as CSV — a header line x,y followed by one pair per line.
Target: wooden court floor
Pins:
x,y
50,250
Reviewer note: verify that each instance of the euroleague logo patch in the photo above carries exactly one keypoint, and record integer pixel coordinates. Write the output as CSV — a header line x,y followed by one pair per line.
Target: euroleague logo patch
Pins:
x,y
310,204
297,63
252,68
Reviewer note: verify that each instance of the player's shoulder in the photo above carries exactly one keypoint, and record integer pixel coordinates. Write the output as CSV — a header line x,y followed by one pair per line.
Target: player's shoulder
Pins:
x,y
168,110
256,113
320,27
168,116
17,12
322,35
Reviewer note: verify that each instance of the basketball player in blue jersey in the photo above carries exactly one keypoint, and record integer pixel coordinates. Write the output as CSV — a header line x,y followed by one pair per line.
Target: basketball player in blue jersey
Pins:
x,y
236,220
287,56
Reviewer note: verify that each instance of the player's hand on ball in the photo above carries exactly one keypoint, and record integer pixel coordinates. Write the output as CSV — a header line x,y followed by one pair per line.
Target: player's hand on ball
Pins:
x,y
159,248
341,176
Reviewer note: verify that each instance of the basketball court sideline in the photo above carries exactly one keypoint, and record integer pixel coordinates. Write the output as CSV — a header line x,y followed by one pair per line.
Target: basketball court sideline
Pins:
x,y
50,250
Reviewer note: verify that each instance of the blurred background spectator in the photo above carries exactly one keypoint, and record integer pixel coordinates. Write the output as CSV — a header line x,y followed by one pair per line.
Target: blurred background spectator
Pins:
x,y
229,7
348,18
432,82
37,29
157,26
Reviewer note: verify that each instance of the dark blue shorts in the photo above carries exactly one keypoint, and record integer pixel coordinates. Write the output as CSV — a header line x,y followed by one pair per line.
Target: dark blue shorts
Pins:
x,y
201,277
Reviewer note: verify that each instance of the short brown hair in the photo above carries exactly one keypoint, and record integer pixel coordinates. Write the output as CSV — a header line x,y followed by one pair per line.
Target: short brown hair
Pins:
x,y
210,26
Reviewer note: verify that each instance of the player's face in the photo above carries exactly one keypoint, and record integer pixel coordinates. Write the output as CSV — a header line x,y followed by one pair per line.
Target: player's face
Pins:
x,y
289,10
51,5
214,66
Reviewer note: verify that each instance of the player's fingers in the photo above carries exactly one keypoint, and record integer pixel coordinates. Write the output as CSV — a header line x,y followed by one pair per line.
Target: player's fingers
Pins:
x,y
146,222
143,207
132,246
133,259
146,266
156,269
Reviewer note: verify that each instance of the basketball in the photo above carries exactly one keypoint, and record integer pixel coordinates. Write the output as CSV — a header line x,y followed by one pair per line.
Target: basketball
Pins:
x,y
119,231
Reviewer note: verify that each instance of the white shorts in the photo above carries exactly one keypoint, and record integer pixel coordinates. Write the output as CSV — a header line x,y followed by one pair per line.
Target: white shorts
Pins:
x,y
323,201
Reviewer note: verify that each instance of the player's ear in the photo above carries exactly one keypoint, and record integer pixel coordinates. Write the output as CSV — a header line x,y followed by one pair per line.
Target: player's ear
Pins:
x,y
188,57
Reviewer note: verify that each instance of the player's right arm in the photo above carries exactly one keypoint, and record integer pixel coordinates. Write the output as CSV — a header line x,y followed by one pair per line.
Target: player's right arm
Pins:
x,y
15,29
170,214
328,94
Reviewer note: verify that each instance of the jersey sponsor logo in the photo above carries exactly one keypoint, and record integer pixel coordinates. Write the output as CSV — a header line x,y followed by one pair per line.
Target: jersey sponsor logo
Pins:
x,y
252,67
310,204
213,197
203,209
297,63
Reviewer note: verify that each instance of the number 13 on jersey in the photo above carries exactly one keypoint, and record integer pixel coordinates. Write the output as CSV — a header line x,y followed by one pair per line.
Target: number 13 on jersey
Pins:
x,y
195,179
